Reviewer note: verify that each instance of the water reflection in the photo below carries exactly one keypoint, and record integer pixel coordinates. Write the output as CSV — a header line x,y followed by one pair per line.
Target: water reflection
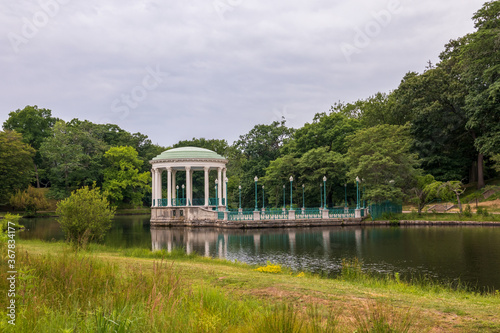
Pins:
x,y
469,254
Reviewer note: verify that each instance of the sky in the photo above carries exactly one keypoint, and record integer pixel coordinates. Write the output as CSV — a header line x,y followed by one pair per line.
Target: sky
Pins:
x,y
175,70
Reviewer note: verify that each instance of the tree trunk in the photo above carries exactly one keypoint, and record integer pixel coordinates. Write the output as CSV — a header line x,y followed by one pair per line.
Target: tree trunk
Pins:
x,y
480,171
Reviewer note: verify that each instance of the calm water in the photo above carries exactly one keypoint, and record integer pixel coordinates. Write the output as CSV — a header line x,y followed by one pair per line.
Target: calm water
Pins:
x,y
471,254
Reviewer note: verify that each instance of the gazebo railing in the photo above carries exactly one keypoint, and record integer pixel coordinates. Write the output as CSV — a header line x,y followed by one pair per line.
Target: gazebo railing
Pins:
x,y
308,213
244,215
274,215
341,212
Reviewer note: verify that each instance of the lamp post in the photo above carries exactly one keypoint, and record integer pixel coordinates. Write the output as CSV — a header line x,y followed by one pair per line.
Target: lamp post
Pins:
x,y
321,195
239,188
284,206
324,188
216,195
183,193
357,192
263,199
291,193
256,179
345,194
303,200
226,180
176,195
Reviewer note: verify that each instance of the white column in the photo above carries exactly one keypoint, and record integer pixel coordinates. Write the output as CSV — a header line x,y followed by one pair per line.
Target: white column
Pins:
x,y
188,185
169,187
159,194
219,188
224,189
153,187
207,187
174,184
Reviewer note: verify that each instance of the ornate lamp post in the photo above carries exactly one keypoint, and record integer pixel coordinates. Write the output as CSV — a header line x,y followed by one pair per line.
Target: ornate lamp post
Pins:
x,y
216,195
357,192
226,180
256,179
321,195
291,193
183,194
324,189
303,200
176,195
284,206
239,188
263,199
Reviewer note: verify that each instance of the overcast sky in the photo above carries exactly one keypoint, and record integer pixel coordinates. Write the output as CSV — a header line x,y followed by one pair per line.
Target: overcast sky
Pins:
x,y
174,70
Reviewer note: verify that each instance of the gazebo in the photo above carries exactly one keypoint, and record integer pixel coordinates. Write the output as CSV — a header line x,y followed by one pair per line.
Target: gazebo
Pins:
x,y
188,160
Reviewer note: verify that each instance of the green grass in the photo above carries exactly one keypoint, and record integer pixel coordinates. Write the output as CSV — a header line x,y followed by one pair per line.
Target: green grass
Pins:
x,y
414,216
135,290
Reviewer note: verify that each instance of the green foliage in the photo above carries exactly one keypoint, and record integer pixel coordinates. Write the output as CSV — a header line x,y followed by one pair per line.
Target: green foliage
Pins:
x,y
423,197
85,216
74,155
326,130
380,156
30,200
467,211
122,180
4,226
16,164
219,146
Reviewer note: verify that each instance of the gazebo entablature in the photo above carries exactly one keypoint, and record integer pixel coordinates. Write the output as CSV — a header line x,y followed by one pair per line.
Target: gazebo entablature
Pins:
x,y
189,165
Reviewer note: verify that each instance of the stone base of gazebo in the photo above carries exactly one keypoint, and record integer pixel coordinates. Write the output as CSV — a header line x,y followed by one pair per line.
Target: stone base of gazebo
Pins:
x,y
195,216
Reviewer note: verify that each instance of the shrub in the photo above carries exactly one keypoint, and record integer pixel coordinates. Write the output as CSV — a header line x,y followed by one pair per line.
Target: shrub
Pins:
x,y
467,211
85,216
30,200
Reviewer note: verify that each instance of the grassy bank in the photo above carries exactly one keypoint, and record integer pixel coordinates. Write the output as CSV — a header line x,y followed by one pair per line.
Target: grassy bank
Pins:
x,y
110,290
488,217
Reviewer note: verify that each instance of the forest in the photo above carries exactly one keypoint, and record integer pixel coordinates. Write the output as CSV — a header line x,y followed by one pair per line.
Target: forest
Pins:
x,y
438,131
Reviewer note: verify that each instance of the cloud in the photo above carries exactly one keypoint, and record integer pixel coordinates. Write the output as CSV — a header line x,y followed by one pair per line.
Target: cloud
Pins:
x,y
226,72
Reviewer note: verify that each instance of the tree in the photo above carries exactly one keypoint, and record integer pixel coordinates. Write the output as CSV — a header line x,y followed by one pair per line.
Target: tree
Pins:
x,y
422,192
446,191
261,145
326,130
85,216
122,180
16,164
35,126
380,157
474,60
75,155
434,104
30,200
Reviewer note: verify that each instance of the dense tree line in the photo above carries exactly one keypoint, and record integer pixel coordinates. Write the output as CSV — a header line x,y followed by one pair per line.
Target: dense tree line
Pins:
x,y
436,130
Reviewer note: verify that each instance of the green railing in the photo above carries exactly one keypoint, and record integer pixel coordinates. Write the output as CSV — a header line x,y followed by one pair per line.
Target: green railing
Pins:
x,y
308,213
220,215
274,215
338,213
245,215
179,202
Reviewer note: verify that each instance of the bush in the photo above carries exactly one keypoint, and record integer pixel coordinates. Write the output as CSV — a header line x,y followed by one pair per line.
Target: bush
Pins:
x,y
30,200
85,216
467,211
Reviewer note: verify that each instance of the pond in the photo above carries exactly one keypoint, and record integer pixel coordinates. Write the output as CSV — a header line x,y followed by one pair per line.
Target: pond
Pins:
x,y
468,254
